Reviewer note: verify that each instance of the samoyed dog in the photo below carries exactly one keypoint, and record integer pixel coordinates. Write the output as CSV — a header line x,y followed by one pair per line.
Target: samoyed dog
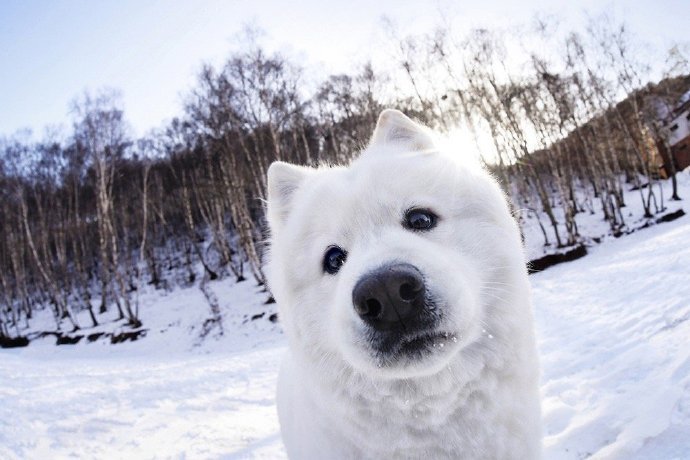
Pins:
x,y
403,293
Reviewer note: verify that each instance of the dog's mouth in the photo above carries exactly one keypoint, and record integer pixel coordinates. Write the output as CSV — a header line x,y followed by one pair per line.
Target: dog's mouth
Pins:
x,y
426,342
392,349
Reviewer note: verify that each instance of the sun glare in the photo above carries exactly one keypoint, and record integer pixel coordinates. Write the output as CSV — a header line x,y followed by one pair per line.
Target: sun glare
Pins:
x,y
462,141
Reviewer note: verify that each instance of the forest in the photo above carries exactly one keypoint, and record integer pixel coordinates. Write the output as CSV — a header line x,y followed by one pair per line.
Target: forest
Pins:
x,y
91,216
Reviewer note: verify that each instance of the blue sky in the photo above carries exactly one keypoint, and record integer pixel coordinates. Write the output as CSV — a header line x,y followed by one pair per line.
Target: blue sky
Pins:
x,y
50,51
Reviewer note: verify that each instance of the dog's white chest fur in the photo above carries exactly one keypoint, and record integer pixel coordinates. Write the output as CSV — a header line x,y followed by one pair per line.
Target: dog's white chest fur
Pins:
x,y
480,419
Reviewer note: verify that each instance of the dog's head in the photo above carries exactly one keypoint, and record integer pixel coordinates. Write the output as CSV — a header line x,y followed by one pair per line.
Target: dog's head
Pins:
x,y
394,264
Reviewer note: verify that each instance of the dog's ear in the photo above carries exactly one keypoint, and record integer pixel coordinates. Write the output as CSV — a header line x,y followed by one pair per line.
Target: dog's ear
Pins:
x,y
394,127
283,181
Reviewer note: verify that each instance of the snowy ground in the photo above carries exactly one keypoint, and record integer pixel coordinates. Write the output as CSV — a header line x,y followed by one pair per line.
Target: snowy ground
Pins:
x,y
614,336
168,395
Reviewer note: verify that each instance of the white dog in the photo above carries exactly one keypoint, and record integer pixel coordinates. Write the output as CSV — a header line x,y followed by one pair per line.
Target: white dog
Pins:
x,y
402,289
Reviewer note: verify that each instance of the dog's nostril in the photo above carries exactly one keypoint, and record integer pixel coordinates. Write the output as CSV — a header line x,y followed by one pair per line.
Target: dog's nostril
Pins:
x,y
408,292
373,308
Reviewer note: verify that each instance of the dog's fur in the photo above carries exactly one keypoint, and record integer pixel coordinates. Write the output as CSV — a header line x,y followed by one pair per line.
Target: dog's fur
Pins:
x,y
475,393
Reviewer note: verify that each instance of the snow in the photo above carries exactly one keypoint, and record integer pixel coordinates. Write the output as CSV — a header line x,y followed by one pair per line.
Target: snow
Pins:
x,y
613,330
169,394
614,338
140,407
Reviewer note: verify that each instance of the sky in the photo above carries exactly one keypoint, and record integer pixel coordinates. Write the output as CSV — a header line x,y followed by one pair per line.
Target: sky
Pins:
x,y
151,50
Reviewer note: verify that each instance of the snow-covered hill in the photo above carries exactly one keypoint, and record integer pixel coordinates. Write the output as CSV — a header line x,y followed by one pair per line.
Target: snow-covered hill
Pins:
x,y
614,335
592,227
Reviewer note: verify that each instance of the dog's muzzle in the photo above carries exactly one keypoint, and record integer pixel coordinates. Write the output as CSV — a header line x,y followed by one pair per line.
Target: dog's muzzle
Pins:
x,y
394,303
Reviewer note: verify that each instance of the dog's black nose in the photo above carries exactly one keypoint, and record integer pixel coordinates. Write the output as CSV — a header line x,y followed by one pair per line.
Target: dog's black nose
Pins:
x,y
390,297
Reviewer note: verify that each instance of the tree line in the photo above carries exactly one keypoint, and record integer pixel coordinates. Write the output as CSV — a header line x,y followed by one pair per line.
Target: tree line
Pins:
x,y
91,217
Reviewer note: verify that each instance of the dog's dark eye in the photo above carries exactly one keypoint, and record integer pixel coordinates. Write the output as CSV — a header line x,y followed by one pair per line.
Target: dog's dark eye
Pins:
x,y
334,259
420,219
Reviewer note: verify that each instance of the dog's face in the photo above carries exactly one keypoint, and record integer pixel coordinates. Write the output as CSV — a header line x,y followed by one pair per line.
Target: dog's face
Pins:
x,y
392,264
